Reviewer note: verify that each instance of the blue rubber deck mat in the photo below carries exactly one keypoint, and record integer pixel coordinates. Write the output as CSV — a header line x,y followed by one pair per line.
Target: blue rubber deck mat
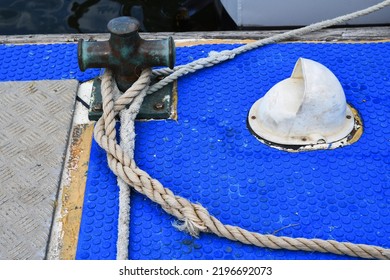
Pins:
x,y
209,156
41,62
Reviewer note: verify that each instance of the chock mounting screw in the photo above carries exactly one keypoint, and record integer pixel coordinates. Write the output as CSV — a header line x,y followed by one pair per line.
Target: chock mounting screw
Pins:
x,y
159,106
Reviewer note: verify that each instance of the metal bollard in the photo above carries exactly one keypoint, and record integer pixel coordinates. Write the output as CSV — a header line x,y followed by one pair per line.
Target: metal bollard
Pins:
x,y
126,53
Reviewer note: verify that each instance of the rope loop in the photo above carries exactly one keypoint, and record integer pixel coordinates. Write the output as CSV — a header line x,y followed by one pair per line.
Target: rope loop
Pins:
x,y
194,218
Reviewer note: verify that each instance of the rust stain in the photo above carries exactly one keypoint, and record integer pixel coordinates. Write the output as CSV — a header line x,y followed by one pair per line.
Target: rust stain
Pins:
x,y
175,97
73,194
358,130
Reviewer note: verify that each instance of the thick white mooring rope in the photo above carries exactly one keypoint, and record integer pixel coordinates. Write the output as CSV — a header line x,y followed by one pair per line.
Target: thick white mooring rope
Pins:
x,y
194,217
127,136
134,98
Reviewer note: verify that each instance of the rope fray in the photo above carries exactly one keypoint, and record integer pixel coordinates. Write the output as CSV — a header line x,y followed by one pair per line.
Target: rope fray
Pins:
x,y
190,227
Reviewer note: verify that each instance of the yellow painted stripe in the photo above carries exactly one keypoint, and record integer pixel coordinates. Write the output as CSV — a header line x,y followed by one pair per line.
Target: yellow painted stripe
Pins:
x,y
73,194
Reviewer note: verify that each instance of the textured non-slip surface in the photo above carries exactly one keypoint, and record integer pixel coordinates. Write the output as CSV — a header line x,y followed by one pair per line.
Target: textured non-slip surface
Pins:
x,y
209,156
35,119
41,62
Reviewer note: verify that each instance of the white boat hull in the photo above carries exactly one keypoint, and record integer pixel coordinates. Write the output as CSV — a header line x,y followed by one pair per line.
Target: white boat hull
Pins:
x,y
262,13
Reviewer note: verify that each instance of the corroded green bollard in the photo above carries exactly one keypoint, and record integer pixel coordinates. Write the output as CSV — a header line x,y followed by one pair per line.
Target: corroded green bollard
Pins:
x,y
126,53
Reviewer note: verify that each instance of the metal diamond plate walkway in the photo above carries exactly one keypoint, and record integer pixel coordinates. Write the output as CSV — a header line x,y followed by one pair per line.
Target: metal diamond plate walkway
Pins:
x,y
35,120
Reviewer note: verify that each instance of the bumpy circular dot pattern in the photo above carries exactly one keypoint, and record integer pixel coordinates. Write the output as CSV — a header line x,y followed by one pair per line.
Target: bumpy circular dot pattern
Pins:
x,y
41,62
208,156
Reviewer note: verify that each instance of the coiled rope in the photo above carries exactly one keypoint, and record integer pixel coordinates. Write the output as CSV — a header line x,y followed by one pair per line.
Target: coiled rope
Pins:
x,y
194,218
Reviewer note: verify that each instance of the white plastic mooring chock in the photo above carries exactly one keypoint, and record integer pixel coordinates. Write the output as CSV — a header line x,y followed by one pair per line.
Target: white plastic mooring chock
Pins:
x,y
308,109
